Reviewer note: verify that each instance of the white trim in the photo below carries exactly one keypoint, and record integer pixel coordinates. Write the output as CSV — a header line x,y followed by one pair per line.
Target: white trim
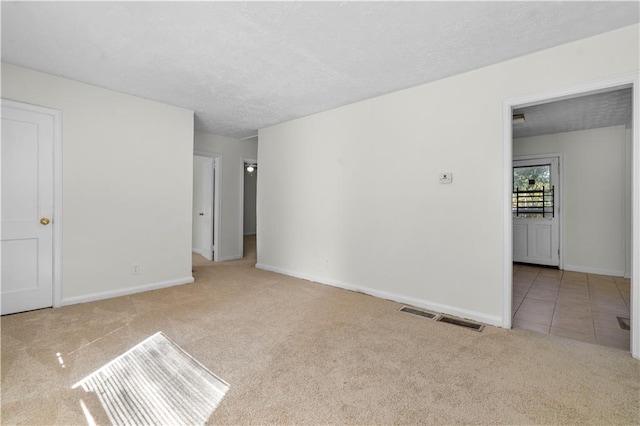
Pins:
x,y
603,85
507,214
57,192
598,271
635,217
196,251
208,199
241,242
217,208
628,178
125,291
57,209
419,303
217,200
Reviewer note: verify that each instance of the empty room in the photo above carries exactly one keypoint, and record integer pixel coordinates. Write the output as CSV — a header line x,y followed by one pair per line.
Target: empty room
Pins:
x,y
320,213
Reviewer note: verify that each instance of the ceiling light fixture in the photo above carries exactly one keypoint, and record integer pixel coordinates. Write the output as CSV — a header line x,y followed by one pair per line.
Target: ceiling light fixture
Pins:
x,y
250,168
518,118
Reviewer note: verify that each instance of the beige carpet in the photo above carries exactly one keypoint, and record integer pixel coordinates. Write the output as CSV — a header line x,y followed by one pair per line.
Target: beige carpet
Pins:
x,y
295,352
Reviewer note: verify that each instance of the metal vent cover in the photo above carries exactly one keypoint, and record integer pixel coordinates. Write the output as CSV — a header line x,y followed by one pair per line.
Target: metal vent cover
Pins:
x,y
425,314
462,323
625,323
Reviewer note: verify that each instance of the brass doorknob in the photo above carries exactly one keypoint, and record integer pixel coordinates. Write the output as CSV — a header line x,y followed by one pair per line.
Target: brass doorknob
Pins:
x,y
44,221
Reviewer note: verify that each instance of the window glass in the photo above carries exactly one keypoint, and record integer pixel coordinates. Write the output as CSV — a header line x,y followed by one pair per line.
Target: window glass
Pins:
x,y
532,191
532,177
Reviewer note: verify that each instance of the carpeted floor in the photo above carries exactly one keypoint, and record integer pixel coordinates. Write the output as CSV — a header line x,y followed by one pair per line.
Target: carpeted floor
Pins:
x,y
295,352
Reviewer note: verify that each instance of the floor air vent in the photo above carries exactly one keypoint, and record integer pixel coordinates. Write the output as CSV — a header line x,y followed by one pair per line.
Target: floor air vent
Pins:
x,y
462,323
625,323
417,312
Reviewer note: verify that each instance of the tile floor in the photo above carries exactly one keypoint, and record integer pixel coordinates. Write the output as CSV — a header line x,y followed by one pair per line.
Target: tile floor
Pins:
x,y
573,305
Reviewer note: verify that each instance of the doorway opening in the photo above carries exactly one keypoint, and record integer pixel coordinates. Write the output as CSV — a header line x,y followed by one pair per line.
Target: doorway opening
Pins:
x,y
595,214
248,189
206,205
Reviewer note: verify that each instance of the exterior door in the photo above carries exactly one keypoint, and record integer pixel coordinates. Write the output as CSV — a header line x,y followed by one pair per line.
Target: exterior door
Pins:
x,y
27,209
535,208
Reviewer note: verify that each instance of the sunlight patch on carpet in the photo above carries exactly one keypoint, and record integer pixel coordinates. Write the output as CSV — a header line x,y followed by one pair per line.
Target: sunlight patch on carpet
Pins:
x,y
156,382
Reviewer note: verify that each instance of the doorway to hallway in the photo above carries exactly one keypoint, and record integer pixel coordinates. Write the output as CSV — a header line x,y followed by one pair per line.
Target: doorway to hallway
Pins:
x,y
592,291
248,208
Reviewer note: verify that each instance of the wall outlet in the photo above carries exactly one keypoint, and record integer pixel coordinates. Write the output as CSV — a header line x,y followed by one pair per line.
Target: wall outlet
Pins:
x,y
135,269
446,177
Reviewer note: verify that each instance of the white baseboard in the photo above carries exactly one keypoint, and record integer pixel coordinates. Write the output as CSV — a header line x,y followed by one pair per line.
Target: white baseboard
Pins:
x,y
424,304
196,251
588,270
125,291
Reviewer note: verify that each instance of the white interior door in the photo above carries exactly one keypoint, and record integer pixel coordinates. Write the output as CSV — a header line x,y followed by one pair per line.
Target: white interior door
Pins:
x,y
206,209
535,207
27,210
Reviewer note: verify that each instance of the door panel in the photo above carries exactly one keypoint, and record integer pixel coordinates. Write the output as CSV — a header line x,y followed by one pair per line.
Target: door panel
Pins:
x,y
520,240
27,197
20,268
20,150
542,241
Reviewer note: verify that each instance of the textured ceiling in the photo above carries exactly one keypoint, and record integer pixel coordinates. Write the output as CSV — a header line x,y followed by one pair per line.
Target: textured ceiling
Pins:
x,y
244,66
580,113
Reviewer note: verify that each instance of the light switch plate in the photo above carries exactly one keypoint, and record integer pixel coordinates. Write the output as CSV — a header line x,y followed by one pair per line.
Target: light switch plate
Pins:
x,y
446,177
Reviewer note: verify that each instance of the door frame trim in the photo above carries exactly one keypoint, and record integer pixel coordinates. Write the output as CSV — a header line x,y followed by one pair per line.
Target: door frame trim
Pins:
x,y
560,194
217,199
602,85
57,222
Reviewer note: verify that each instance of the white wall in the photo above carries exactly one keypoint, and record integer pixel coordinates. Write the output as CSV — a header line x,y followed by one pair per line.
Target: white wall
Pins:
x,y
127,167
231,151
594,196
250,186
350,196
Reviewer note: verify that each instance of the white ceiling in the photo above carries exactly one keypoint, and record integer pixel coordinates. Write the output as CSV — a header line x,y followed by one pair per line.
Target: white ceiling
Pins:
x,y
581,113
244,66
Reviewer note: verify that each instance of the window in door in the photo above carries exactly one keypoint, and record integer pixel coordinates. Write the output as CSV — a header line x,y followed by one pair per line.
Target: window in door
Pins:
x,y
532,192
